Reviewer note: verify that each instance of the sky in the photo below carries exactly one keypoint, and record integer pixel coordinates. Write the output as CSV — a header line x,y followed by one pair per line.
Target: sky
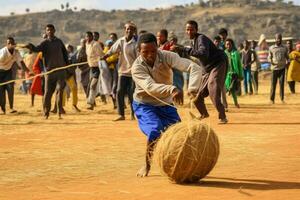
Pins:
x,y
19,6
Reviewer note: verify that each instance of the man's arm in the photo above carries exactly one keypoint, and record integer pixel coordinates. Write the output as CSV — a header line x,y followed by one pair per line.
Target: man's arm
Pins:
x,y
65,53
270,56
141,76
183,64
24,67
253,57
98,49
20,61
201,52
115,48
37,48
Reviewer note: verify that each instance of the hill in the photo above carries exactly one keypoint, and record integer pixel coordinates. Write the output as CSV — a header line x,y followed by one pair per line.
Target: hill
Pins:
x,y
243,18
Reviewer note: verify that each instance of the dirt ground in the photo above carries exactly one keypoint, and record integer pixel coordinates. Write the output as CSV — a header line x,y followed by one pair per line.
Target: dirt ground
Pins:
x,y
86,156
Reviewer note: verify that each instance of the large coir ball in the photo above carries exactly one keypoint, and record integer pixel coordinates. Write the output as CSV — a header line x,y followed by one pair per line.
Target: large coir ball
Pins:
x,y
187,151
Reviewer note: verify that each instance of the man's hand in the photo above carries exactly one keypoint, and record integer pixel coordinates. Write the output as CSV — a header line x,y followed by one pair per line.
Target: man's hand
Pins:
x,y
177,96
28,46
177,48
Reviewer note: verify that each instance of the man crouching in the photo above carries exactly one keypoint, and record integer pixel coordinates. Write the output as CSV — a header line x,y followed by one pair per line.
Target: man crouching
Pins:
x,y
154,92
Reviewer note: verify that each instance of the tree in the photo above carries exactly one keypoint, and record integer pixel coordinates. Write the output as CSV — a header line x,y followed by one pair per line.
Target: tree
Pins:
x,y
62,6
67,5
12,13
27,10
75,8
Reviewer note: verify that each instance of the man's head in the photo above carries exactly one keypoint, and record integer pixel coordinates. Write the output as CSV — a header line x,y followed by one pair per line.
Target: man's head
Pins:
x,y
229,44
191,29
289,44
113,37
173,39
70,48
89,36
223,33
10,43
96,36
253,44
50,30
278,39
241,46
130,30
148,47
162,36
246,44
217,41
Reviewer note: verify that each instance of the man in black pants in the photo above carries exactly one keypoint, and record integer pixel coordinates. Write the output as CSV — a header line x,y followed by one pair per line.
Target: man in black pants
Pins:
x,y
278,57
9,56
214,66
127,47
55,55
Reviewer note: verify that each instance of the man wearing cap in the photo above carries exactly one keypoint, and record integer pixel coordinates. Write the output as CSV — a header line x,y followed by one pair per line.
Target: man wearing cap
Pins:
x,y
127,48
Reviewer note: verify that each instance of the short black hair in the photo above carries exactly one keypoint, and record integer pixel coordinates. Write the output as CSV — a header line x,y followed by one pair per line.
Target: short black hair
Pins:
x,y
147,38
223,31
218,38
11,40
193,23
142,32
50,26
89,33
245,40
231,41
164,32
96,33
114,34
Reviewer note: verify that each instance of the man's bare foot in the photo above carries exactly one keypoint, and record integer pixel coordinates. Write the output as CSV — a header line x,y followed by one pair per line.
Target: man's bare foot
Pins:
x,y
120,118
76,108
143,172
13,111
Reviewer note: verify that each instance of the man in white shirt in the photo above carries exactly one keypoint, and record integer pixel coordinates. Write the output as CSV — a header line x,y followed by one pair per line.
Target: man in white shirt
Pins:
x,y
155,92
8,56
127,48
94,52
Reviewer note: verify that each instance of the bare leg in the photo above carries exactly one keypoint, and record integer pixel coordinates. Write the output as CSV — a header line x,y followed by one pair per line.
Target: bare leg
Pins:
x,y
32,100
144,171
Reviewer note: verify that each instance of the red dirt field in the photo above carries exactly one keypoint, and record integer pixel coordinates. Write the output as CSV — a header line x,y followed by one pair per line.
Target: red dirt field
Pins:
x,y
86,156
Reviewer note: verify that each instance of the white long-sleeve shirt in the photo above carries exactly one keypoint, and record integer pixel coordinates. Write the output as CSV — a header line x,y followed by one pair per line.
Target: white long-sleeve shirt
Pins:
x,y
94,52
158,80
127,54
7,59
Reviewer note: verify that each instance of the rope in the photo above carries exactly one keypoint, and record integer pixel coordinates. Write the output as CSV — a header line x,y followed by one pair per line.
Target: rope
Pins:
x,y
45,73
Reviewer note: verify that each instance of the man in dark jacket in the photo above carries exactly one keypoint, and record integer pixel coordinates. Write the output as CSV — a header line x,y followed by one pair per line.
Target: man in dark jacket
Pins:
x,y
214,66
55,55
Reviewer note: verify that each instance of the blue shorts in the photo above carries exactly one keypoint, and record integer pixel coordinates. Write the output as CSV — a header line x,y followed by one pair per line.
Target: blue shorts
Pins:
x,y
153,120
